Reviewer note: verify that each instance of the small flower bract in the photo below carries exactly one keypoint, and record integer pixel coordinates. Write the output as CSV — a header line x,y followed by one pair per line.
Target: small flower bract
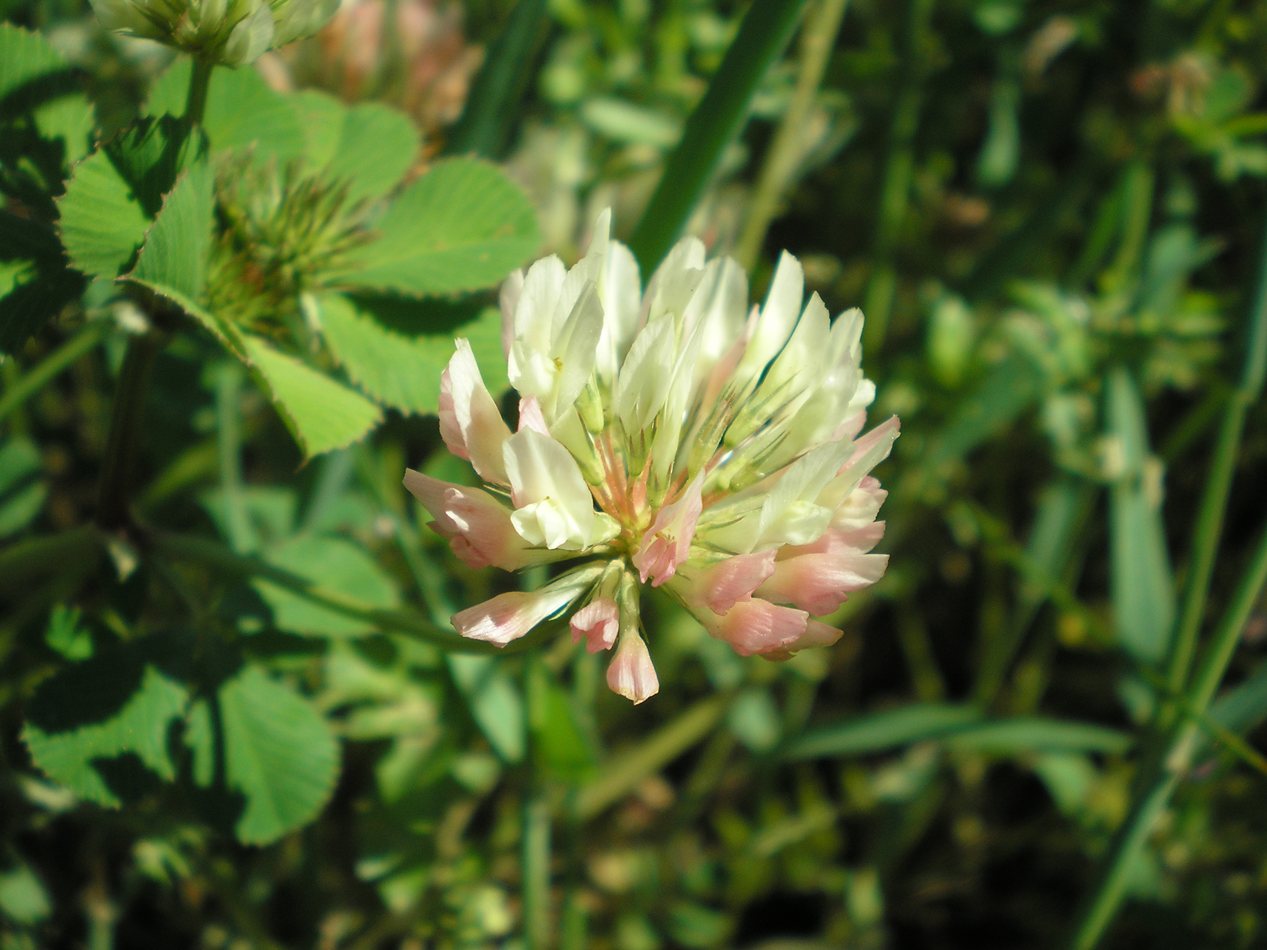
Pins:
x,y
670,438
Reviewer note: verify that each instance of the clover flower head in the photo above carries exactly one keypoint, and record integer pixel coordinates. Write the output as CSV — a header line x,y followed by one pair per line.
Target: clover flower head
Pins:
x,y
671,438
228,32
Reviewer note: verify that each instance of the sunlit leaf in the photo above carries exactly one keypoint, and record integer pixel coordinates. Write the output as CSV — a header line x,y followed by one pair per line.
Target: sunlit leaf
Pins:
x,y
322,414
242,112
114,194
36,80
175,253
396,350
264,757
376,145
462,226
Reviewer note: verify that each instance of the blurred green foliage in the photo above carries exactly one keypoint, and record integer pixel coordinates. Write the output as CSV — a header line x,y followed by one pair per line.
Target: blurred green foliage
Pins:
x,y
237,716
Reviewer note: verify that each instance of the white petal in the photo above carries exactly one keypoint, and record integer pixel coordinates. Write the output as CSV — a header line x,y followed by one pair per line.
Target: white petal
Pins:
x,y
554,507
778,316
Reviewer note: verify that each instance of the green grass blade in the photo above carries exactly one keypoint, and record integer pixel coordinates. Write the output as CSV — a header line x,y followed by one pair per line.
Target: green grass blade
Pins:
x,y
762,36
1142,588
1173,731
485,125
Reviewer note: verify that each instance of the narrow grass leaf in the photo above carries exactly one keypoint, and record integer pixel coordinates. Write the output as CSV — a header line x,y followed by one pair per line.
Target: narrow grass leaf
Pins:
x,y
491,108
1141,584
882,731
494,701
713,125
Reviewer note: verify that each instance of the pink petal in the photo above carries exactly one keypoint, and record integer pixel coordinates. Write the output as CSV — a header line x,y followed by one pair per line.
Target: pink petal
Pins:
x,y
476,525
450,431
509,616
470,422
722,584
878,440
597,622
531,416
820,583
817,634
838,541
667,542
631,673
861,506
756,626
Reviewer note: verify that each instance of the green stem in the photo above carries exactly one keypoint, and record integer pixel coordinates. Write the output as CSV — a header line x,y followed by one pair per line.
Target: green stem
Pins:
x,y
536,870
764,32
632,766
196,98
899,168
535,841
818,36
26,386
217,557
125,427
23,561
121,447
1218,486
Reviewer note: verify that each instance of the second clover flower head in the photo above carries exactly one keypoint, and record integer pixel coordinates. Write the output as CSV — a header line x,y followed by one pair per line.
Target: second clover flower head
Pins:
x,y
668,438
227,32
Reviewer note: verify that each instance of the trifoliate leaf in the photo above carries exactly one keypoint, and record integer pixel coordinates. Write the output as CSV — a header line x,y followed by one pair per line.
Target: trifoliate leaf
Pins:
x,y
462,226
367,147
321,414
265,758
102,727
36,82
176,249
242,112
115,193
396,350
35,283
